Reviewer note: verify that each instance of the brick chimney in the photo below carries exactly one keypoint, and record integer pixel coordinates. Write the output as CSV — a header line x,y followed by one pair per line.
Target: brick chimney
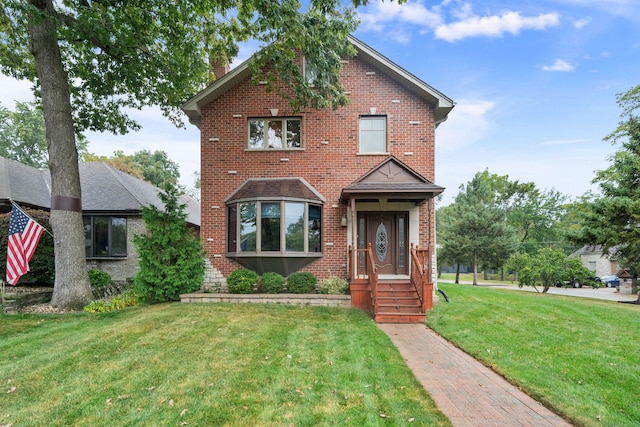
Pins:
x,y
218,69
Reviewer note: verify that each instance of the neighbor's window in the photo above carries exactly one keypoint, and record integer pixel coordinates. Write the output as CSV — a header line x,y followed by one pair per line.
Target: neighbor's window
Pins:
x,y
283,227
275,133
105,236
373,134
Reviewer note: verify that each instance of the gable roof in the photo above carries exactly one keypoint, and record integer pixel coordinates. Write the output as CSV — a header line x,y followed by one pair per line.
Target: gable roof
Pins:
x,y
393,180
443,105
105,190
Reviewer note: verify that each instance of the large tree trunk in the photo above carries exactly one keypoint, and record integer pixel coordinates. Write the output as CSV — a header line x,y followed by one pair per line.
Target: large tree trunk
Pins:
x,y
71,286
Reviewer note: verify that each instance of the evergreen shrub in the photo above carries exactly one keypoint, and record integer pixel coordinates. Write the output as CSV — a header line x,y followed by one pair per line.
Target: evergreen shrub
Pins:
x,y
272,283
242,281
171,255
301,282
98,278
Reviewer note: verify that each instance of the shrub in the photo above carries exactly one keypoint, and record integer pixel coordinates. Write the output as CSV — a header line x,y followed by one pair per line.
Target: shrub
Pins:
x,y
42,265
127,299
301,282
333,285
171,257
242,281
272,283
98,278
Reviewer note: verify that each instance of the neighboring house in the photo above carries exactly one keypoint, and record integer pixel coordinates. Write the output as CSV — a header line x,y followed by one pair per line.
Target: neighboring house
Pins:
x,y
287,191
112,202
593,258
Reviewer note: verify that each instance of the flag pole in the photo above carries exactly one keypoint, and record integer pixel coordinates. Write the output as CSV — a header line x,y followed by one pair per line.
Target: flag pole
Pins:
x,y
22,210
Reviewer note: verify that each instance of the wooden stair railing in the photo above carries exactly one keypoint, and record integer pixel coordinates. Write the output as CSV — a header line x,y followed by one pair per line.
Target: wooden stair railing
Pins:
x,y
364,270
420,276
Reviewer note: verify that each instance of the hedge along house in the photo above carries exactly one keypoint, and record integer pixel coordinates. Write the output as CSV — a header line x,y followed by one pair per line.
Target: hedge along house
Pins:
x,y
112,204
347,192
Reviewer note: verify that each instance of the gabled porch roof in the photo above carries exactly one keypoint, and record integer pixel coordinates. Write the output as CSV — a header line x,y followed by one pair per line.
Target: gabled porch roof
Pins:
x,y
391,180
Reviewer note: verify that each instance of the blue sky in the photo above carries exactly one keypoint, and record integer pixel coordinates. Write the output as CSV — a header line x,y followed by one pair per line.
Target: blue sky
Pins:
x,y
534,83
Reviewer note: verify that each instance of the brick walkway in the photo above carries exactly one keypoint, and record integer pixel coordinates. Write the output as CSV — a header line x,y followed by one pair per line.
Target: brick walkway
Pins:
x,y
466,391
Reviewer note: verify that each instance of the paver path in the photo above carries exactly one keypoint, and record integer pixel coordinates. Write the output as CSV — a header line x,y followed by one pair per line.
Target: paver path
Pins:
x,y
466,391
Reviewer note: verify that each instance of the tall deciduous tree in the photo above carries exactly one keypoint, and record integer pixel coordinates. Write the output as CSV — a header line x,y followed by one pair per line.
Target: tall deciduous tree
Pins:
x,y
23,135
477,228
534,213
613,219
157,167
90,60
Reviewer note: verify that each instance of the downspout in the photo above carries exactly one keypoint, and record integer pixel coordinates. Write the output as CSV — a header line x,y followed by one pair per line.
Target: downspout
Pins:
x,y
354,234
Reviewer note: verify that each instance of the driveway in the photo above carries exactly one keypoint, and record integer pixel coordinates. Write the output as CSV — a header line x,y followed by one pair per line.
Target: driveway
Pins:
x,y
610,294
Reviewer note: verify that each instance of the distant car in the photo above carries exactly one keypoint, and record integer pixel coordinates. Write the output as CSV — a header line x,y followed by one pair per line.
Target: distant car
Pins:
x,y
575,283
610,281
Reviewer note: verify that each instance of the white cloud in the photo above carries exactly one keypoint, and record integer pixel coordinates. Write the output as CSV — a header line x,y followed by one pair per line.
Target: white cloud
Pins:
x,y
581,23
559,65
411,12
495,26
467,123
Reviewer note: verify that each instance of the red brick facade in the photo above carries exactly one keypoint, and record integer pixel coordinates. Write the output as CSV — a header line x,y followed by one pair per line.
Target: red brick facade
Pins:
x,y
328,160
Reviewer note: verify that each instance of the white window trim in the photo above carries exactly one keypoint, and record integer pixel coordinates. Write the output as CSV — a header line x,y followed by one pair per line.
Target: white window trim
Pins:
x,y
265,120
386,139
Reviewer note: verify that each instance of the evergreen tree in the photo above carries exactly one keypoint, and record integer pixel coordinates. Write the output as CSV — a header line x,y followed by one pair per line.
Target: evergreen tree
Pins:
x,y
613,219
477,228
171,255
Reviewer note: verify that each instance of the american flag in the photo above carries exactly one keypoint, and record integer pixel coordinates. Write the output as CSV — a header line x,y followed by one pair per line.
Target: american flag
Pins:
x,y
24,235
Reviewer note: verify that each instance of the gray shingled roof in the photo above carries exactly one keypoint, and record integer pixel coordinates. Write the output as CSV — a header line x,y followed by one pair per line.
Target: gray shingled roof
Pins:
x,y
104,189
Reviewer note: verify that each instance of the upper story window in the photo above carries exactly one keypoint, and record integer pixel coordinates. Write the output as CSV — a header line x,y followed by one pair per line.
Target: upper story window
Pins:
x,y
275,133
373,134
105,236
310,72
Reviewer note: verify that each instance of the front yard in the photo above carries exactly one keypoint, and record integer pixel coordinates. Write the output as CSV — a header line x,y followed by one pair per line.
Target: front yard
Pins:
x,y
206,364
576,355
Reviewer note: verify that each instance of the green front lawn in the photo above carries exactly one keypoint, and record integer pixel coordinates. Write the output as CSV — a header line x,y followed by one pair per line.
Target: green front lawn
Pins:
x,y
206,365
579,356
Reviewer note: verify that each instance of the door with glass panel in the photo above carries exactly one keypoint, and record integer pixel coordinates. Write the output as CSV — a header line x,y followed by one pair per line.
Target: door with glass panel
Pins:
x,y
388,233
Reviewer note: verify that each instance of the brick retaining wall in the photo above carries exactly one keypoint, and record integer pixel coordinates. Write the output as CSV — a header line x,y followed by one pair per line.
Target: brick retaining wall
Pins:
x,y
292,299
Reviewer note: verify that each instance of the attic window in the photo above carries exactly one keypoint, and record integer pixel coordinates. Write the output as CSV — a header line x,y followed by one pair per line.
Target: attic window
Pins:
x,y
275,133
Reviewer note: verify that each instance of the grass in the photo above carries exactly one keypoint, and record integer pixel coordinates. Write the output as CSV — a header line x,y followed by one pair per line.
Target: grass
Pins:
x,y
491,278
206,364
578,356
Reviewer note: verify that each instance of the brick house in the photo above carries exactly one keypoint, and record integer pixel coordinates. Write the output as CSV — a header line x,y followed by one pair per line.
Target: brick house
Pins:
x,y
314,190
112,204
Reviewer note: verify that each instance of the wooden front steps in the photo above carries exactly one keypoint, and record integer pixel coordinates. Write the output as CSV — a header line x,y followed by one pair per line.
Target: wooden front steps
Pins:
x,y
398,302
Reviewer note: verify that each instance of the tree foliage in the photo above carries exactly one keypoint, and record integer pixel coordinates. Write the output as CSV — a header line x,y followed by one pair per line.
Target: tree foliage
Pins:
x,y
535,214
154,167
612,218
171,255
92,61
475,228
23,135
547,268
